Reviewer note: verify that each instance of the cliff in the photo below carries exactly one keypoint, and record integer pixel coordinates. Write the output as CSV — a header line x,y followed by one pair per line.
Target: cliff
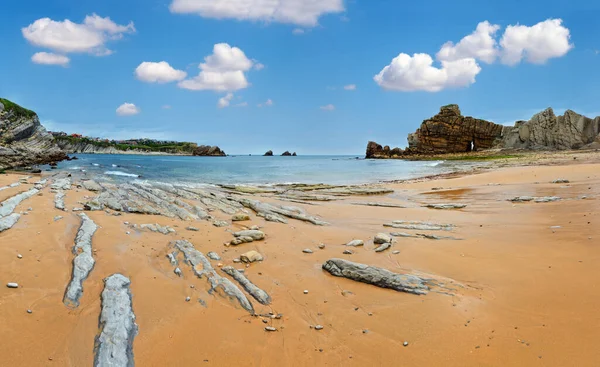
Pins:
x,y
89,146
451,132
23,140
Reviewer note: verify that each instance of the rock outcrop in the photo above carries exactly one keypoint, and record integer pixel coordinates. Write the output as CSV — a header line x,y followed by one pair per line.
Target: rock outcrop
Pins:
x,y
545,130
268,154
23,140
451,132
209,151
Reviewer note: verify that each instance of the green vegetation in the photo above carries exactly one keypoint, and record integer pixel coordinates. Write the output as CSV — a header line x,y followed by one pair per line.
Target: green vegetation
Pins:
x,y
147,145
18,110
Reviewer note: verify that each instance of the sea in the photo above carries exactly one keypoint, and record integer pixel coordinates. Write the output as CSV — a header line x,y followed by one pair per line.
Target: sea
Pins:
x,y
253,170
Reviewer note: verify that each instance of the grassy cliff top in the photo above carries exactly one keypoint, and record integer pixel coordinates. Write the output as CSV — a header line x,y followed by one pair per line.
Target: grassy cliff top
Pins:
x,y
8,105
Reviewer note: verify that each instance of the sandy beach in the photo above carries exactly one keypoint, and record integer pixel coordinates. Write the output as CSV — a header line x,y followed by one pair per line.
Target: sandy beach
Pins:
x,y
521,277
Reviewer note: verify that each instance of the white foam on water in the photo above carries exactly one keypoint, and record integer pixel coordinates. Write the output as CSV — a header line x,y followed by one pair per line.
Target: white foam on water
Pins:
x,y
119,173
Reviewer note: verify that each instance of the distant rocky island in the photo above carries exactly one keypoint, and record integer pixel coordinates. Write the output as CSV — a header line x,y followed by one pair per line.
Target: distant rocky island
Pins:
x,y
25,142
284,154
451,132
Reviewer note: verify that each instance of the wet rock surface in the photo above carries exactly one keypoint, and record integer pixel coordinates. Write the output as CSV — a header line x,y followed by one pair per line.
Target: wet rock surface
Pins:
x,y
83,263
258,294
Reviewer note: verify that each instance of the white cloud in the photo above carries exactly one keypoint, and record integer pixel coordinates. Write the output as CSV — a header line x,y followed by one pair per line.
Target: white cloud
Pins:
x,y
158,72
411,73
65,36
328,107
480,45
536,44
166,107
49,58
298,31
350,87
225,101
268,103
128,109
301,12
258,66
222,71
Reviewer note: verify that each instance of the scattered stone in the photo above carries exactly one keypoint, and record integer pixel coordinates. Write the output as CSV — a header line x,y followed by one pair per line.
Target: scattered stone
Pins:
x,y
178,272
19,256
255,235
29,311
187,299
270,328
305,291
58,217
220,223
383,247
446,206
395,252
560,181
240,217
382,238
12,285
322,246
405,344
251,256
355,243
114,344
307,251
213,256
318,327
348,252
194,229
254,228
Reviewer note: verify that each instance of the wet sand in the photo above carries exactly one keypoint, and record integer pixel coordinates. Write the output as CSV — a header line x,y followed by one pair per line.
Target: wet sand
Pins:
x,y
528,294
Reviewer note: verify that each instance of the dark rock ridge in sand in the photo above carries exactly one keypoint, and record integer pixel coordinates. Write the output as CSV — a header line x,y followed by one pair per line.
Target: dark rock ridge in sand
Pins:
x,y
23,140
451,132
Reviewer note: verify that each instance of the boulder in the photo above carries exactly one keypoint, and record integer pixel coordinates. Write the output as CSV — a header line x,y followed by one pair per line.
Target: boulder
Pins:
x,y
381,238
251,256
268,154
240,217
286,154
210,151
376,151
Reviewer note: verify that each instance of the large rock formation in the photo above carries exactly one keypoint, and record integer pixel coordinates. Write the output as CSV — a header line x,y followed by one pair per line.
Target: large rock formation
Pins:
x,y
210,151
268,153
23,140
451,132
548,131
375,150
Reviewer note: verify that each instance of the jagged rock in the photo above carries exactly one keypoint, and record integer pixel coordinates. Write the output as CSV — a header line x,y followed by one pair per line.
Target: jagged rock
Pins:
x,y
258,294
375,150
213,256
446,206
543,199
220,223
83,262
92,206
155,228
23,140
286,154
207,150
384,246
251,256
377,276
545,130
294,154
196,260
91,185
381,238
268,153
61,184
355,243
114,345
418,225
9,221
193,229
240,217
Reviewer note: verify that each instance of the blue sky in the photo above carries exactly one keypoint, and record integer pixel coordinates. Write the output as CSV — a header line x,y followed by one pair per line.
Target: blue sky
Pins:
x,y
299,54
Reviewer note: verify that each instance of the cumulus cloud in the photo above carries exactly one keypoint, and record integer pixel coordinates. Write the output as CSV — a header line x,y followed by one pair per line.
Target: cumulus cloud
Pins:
x,y
458,62
410,73
328,107
66,36
350,87
300,12
223,71
128,109
49,58
536,44
268,103
225,101
480,45
158,72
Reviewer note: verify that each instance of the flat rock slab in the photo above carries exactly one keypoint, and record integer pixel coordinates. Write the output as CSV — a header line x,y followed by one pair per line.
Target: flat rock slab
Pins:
x,y
536,199
59,200
61,184
420,226
8,206
114,345
445,206
355,243
377,276
383,205
91,185
9,221
254,234
83,263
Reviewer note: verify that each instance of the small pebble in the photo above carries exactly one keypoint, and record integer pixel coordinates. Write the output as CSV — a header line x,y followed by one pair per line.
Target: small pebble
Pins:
x,y
270,328
319,327
187,299
12,285
348,252
307,251
265,321
365,331
19,256
395,252
405,344
29,311
305,291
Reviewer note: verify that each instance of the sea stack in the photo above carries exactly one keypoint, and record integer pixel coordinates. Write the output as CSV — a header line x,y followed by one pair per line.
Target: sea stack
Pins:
x,y
268,154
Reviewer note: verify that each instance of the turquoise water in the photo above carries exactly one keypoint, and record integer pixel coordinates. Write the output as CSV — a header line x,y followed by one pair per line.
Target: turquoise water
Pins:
x,y
250,169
